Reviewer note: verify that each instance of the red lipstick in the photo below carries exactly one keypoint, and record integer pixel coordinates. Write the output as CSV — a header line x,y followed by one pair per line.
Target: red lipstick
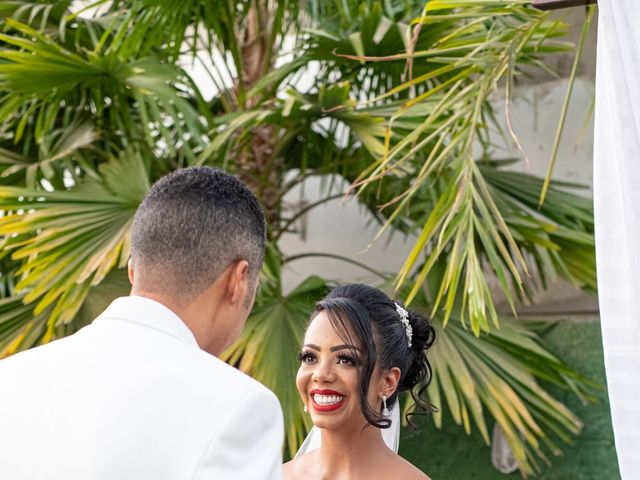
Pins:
x,y
327,407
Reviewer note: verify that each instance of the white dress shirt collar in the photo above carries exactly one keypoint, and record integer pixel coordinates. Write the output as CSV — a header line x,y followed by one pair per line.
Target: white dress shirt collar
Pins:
x,y
149,313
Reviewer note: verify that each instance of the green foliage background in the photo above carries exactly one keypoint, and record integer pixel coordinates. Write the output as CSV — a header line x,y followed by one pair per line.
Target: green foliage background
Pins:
x,y
95,106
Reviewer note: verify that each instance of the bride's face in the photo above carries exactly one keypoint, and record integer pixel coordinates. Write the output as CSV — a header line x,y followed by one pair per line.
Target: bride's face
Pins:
x,y
328,376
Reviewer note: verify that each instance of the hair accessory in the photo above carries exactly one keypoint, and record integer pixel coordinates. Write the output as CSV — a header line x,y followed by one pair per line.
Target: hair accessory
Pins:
x,y
385,410
404,318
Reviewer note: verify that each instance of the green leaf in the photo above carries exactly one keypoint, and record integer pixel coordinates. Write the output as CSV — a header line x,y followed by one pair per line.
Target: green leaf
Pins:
x,y
75,237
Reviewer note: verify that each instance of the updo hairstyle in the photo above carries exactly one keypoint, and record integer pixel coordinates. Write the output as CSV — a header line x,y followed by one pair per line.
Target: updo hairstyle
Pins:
x,y
365,316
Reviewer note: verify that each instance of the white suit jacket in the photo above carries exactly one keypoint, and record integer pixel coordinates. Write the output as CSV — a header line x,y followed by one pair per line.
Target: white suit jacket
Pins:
x,y
132,397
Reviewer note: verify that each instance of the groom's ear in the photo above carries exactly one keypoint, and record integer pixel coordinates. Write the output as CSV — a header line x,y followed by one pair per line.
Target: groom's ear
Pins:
x,y
238,281
130,270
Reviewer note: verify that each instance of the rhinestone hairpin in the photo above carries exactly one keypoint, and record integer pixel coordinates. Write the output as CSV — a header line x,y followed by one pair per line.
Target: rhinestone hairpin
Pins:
x,y
404,318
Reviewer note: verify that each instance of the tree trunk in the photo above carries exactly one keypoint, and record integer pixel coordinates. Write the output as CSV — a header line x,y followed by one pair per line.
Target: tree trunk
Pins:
x,y
257,167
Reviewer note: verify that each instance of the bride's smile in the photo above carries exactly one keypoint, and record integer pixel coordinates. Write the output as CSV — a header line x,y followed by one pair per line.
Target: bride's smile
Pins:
x,y
326,400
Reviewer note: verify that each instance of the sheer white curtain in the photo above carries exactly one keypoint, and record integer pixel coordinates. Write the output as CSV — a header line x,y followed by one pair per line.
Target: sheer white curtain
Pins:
x,y
617,218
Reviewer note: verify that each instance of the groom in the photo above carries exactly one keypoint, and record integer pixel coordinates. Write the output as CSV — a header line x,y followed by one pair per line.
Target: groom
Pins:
x,y
140,393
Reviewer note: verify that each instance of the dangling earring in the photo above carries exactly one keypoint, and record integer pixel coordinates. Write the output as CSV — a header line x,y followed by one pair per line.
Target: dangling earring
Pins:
x,y
305,409
385,410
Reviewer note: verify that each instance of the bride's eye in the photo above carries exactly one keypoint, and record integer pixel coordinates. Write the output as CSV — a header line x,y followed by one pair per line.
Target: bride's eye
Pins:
x,y
306,357
344,359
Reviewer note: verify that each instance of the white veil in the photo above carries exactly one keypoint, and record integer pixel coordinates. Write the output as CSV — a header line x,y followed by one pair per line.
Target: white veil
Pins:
x,y
391,435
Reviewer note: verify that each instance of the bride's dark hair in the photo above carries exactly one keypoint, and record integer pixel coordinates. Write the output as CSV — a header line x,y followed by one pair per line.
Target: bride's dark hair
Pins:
x,y
365,316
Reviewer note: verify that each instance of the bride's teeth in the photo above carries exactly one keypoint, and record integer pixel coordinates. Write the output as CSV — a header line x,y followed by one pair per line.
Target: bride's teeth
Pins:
x,y
327,399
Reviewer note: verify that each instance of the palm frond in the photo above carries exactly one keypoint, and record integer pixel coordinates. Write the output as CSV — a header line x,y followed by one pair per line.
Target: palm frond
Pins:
x,y
502,373
46,86
70,240
479,49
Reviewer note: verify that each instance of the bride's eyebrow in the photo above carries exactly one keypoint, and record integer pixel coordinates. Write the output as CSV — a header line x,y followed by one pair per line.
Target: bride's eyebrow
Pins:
x,y
333,349
344,347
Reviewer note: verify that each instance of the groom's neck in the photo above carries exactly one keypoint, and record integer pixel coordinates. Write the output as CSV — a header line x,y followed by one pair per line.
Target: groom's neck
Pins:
x,y
199,315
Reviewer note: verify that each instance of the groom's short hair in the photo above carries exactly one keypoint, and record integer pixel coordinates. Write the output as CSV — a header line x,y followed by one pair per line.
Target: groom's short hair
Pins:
x,y
192,224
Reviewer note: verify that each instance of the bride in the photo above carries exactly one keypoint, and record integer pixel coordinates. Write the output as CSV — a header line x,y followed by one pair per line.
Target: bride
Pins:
x,y
360,350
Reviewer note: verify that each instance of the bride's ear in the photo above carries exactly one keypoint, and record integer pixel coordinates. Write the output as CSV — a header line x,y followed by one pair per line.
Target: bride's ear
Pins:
x,y
391,379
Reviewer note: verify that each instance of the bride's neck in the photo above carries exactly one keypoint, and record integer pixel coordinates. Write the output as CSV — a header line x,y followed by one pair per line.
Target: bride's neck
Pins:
x,y
345,451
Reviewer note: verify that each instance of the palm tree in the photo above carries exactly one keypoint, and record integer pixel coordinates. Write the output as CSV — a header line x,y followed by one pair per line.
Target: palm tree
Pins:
x,y
96,105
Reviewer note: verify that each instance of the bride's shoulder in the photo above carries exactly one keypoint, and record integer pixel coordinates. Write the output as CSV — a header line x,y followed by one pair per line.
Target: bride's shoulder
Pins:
x,y
406,470
296,468
289,470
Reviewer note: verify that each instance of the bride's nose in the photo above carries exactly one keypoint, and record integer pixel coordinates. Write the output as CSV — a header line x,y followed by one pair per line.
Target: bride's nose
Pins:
x,y
323,372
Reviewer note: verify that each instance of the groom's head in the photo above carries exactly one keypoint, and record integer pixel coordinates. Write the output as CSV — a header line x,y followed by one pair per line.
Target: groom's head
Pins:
x,y
198,238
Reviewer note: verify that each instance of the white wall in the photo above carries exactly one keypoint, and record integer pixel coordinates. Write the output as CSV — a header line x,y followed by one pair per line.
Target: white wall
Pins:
x,y
535,111
340,227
